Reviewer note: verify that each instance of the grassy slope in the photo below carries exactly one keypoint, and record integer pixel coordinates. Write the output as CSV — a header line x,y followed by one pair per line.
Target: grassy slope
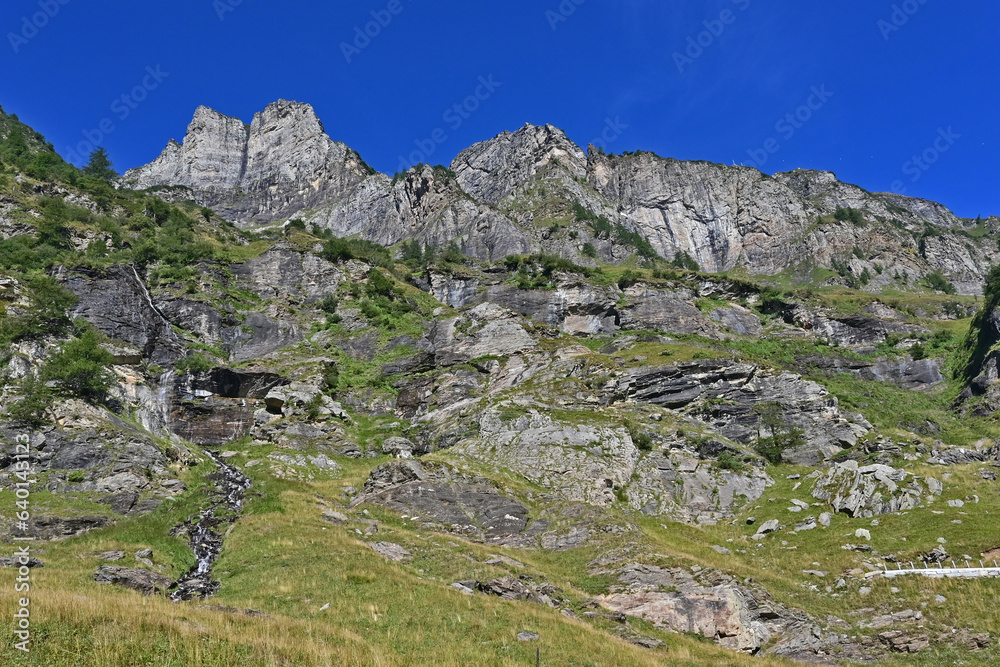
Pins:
x,y
282,559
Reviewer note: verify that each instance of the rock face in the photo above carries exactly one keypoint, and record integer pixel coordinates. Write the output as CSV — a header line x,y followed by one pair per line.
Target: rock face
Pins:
x,y
119,304
486,330
493,170
443,497
284,166
920,375
714,606
724,394
583,463
686,489
281,165
93,452
867,491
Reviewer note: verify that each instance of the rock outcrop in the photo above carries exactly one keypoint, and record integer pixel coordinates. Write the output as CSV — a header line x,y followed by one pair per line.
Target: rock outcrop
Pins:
x,y
443,497
725,394
143,581
867,491
716,607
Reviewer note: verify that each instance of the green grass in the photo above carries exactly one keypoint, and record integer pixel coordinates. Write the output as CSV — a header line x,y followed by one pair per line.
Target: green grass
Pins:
x,y
282,559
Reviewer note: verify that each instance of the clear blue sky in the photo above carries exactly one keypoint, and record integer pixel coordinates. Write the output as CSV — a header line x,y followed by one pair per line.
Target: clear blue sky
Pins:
x,y
892,89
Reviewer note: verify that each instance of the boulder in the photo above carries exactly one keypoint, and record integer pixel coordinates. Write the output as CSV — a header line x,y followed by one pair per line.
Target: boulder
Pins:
x,y
393,552
868,491
400,448
441,496
143,581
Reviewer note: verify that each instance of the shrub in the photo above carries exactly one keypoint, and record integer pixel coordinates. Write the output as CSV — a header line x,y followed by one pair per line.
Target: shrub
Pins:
x,y
411,252
937,282
641,439
918,352
781,435
379,285
629,278
80,367
331,377
341,250
195,363
452,254
589,250
851,215
727,460
35,398
47,314
329,304
682,260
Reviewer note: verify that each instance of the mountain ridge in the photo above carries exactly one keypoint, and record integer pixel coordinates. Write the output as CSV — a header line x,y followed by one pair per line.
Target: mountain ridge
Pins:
x,y
517,192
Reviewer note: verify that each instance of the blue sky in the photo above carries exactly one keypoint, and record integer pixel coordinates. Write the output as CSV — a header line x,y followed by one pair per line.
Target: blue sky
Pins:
x,y
887,81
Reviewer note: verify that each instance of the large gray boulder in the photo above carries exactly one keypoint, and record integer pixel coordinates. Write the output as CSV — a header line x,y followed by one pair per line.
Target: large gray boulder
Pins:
x,y
867,491
443,497
143,581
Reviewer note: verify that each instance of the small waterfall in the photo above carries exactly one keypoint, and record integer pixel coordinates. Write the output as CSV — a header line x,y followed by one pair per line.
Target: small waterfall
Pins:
x,y
206,541
166,383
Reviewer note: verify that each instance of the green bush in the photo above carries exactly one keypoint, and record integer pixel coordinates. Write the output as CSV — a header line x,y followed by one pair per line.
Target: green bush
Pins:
x,y
781,435
79,369
342,250
35,397
727,460
329,304
452,254
331,377
640,438
380,285
682,260
195,363
589,250
46,316
850,215
937,282
629,278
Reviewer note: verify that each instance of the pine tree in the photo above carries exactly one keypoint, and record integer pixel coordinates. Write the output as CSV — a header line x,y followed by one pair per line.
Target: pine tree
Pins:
x,y
99,165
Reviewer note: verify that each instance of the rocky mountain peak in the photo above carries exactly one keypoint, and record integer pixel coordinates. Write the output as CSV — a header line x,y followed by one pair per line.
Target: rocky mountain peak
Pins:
x,y
211,156
491,170
274,168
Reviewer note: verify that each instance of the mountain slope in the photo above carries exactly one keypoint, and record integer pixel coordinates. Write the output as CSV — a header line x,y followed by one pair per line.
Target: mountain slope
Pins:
x,y
449,456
